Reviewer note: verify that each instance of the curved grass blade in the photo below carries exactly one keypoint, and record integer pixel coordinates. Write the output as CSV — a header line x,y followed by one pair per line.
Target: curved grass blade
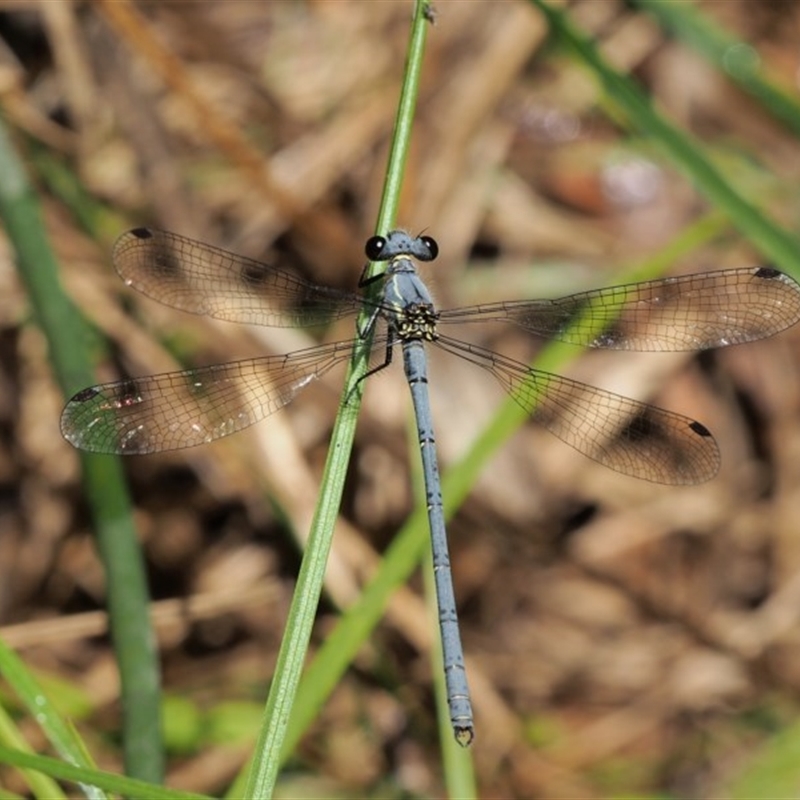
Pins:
x,y
103,479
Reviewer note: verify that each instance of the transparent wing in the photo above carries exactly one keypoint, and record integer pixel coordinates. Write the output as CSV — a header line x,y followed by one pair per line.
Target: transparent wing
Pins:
x,y
625,435
689,312
182,409
202,279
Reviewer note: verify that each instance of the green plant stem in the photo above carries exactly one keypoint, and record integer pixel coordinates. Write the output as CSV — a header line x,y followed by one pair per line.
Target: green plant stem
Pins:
x,y
104,482
267,757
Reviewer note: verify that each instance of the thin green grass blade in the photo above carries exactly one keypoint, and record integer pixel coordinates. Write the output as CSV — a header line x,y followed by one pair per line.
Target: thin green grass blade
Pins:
x,y
104,482
119,784
41,786
60,180
291,658
682,150
61,735
739,60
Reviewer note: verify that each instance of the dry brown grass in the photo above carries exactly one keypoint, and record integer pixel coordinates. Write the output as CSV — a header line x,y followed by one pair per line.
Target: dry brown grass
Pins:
x,y
619,635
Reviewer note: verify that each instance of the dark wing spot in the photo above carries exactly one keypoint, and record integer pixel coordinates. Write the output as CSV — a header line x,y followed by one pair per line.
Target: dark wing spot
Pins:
x,y
254,274
85,395
142,233
700,429
767,272
164,263
640,428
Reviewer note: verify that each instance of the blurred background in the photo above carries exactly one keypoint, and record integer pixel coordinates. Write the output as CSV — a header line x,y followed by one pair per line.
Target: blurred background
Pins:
x,y
623,638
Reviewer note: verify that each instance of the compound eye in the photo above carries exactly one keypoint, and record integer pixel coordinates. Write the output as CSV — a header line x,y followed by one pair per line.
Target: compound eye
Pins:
x,y
430,243
374,247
